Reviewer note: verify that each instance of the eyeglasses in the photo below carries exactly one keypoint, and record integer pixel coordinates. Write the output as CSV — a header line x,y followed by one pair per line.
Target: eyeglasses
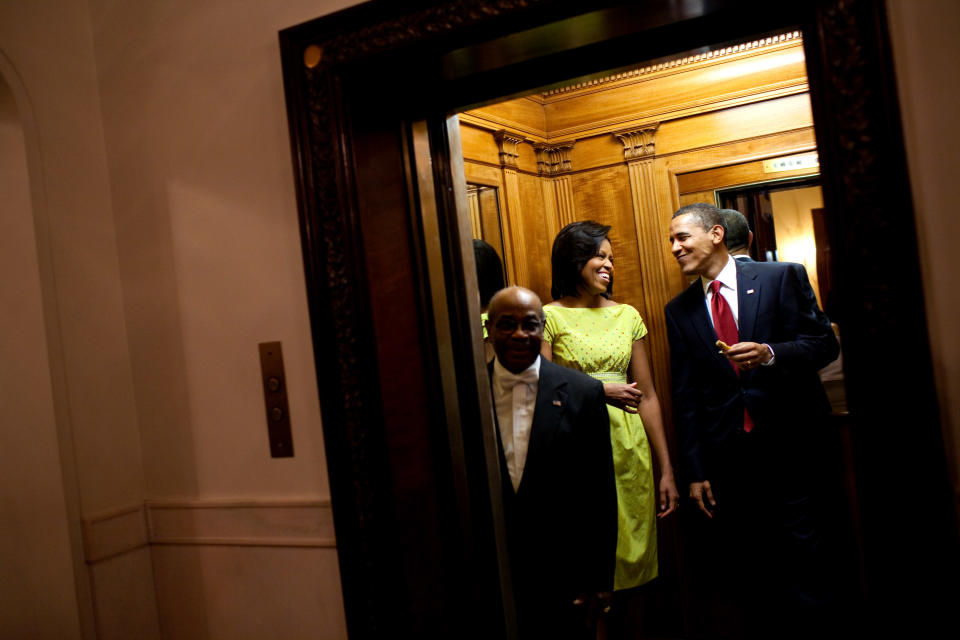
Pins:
x,y
509,325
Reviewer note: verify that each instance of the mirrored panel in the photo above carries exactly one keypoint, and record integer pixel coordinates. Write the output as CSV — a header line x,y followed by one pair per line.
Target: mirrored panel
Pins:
x,y
485,215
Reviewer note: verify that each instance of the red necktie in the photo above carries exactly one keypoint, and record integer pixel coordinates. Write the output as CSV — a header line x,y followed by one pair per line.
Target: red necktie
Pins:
x,y
726,329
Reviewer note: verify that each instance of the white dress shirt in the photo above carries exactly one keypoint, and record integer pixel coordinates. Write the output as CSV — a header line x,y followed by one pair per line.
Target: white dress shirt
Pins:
x,y
515,398
728,289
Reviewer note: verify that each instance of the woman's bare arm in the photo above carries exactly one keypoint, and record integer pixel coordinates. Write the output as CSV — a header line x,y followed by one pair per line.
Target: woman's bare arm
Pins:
x,y
649,410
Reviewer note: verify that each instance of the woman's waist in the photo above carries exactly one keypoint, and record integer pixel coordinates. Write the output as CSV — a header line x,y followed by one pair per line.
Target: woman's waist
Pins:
x,y
608,376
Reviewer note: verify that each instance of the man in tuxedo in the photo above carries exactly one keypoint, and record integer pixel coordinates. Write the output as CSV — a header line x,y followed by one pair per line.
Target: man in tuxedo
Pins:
x,y
560,502
749,422
738,237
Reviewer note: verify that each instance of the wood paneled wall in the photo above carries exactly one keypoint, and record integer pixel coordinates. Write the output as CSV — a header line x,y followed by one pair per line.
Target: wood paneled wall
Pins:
x,y
616,149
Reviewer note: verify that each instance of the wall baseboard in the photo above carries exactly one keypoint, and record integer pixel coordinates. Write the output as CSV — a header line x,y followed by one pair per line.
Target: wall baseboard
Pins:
x,y
111,533
262,523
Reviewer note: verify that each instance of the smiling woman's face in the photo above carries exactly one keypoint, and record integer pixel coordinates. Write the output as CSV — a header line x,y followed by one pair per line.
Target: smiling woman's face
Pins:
x,y
597,274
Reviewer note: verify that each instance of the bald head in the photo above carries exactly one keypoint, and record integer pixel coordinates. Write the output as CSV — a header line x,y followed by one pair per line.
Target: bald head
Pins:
x,y
515,322
514,295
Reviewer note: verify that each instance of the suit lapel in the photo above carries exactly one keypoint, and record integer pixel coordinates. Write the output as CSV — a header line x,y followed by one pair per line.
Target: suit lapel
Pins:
x,y
697,312
551,400
748,301
696,307
504,471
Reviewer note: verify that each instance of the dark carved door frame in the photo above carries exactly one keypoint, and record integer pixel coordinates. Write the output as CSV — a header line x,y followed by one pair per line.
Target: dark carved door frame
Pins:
x,y
413,502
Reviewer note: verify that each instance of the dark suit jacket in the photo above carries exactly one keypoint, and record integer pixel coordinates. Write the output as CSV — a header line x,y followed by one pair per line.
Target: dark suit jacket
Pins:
x,y
777,307
562,521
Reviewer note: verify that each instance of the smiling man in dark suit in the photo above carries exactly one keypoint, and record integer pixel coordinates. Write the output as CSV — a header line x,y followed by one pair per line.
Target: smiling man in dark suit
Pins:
x,y
748,417
560,501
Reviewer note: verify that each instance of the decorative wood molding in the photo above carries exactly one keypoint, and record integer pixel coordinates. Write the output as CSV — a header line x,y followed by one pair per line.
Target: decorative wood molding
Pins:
x,y
563,195
856,130
657,291
507,144
481,119
383,35
686,90
681,61
333,259
114,532
473,203
558,204
554,158
270,523
675,111
867,193
512,218
638,142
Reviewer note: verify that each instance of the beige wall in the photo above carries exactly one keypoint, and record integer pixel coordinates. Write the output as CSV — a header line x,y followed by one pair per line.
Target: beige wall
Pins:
x,y
793,224
203,199
168,248
927,58
37,593
206,220
48,63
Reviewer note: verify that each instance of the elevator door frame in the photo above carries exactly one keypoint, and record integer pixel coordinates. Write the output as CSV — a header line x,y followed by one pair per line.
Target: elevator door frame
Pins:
x,y
440,58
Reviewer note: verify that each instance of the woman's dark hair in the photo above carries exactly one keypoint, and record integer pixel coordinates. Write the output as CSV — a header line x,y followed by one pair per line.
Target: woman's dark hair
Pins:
x,y
489,271
573,247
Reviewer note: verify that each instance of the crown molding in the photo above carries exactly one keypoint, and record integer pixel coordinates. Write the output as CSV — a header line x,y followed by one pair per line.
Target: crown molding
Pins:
x,y
670,65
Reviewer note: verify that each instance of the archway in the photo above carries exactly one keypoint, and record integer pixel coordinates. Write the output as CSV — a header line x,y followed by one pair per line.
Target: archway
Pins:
x,y
40,593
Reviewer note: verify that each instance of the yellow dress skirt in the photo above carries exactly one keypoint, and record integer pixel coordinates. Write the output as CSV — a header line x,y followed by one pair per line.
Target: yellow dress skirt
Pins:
x,y
599,342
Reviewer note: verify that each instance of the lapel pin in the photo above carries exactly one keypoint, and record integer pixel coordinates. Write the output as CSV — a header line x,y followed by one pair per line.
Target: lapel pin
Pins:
x,y
557,403
749,291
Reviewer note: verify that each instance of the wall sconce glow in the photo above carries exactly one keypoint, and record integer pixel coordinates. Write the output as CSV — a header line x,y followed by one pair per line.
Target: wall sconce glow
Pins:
x,y
800,249
312,56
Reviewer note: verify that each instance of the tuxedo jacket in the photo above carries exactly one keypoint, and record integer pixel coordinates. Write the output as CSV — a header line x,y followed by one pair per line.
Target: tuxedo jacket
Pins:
x,y
777,307
562,520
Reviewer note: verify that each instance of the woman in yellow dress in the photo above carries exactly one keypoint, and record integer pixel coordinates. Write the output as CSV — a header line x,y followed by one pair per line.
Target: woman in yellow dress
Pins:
x,y
587,331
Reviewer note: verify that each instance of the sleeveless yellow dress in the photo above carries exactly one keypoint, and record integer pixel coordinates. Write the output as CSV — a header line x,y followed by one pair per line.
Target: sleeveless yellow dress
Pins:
x,y
598,342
